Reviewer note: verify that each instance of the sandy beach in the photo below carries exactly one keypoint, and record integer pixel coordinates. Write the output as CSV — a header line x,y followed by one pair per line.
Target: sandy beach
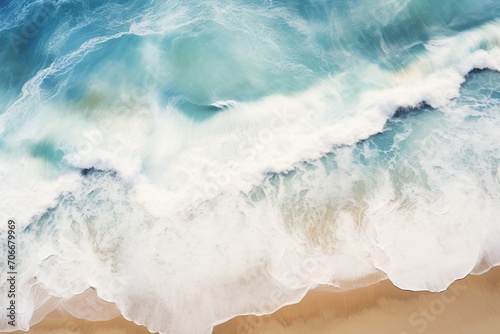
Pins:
x,y
61,322
471,305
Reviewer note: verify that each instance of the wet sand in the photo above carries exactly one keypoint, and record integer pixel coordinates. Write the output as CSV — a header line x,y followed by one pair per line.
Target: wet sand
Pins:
x,y
471,305
61,322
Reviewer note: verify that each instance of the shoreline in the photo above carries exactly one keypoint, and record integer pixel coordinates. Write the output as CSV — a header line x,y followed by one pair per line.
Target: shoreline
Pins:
x,y
470,305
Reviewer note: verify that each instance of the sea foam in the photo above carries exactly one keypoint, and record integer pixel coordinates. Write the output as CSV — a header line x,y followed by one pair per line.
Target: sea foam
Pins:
x,y
354,175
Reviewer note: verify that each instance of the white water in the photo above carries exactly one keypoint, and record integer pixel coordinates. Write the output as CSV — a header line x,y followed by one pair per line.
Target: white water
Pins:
x,y
191,223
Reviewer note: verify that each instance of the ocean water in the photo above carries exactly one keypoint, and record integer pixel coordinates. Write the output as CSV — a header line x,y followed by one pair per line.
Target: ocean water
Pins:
x,y
192,161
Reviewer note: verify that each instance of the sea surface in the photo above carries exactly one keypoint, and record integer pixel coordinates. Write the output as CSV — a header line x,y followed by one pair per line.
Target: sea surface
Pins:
x,y
192,161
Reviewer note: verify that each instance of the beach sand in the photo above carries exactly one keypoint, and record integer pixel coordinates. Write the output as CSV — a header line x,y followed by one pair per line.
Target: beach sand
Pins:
x,y
61,322
471,305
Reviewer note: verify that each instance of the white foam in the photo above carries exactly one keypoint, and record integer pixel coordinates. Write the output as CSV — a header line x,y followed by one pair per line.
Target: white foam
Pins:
x,y
190,219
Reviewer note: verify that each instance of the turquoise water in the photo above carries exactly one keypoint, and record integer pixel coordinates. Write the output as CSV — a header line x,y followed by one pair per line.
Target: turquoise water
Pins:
x,y
224,157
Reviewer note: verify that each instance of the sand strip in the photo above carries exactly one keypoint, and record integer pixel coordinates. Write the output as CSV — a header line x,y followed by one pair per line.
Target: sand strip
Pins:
x,y
471,305
61,322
